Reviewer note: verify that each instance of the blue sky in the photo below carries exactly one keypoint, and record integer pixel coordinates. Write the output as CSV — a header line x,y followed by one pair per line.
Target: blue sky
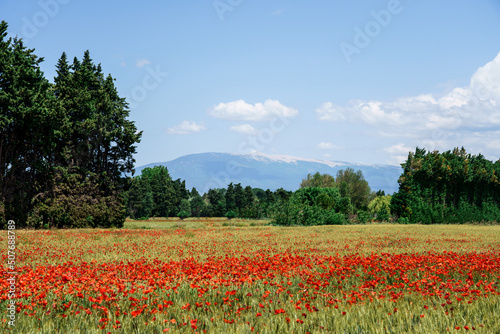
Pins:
x,y
358,81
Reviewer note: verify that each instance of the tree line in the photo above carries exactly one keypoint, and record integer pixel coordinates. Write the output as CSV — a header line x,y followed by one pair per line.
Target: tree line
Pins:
x,y
66,146
322,199
434,188
449,187
155,194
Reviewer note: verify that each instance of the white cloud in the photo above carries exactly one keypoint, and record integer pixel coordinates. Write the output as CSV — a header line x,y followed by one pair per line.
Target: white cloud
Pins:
x,y
330,112
142,62
186,127
456,98
434,122
476,105
396,160
485,83
241,111
398,149
328,146
246,129
398,153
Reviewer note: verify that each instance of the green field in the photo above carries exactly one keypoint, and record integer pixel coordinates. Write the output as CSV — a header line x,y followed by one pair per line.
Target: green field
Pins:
x,y
241,276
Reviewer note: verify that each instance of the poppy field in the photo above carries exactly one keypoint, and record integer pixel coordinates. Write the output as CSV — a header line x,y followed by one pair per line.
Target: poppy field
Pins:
x,y
208,276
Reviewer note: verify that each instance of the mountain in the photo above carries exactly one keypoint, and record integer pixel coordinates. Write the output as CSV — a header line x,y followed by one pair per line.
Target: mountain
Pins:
x,y
216,170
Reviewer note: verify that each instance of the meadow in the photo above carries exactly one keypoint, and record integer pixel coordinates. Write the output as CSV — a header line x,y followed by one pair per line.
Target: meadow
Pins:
x,y
244,276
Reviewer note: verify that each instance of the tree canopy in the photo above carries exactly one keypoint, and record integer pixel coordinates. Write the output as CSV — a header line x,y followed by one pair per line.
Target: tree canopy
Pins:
x,y
318,180
453,186
64,147
350,183
353,185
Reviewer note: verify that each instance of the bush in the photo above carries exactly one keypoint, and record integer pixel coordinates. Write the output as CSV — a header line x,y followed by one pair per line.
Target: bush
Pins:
x,y
183,214
364,217
383,213
77,203
311,206
403,220
230,214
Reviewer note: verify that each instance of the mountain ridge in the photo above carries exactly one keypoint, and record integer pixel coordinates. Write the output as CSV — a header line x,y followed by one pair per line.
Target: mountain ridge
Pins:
x,y
210,170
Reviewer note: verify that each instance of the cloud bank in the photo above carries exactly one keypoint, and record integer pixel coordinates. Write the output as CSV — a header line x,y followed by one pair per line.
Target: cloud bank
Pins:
x,y
186,127
246,129
468,116
241,111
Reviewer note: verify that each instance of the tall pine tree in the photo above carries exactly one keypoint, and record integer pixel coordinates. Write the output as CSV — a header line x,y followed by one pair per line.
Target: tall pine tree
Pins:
x,y
93,150
28,124
64,148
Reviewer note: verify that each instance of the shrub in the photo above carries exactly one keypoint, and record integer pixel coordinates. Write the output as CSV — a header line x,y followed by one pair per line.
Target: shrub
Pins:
x,y
383,213
403,220
364,217
183,214
231,214
312,206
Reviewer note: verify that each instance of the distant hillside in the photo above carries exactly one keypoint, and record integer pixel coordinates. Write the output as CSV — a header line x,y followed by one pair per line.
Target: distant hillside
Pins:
x,y
216,170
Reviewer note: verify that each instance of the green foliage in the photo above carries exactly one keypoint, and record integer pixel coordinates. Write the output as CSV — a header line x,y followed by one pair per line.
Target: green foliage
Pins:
x,y
353,185
403,220
364,217
76,202
197,205
311,206
318,180
380,207
28,123
64,147
343,205
230,199
248,197
180,193
194,193
383,213
158,182
140,199
378,202
184,209
324,201
282,194
183,214
448,187
231,214
185,206
217,203
259,194
239,196
155,194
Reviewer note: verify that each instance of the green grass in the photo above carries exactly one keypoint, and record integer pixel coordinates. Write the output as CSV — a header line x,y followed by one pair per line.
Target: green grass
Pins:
x,y
189,223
